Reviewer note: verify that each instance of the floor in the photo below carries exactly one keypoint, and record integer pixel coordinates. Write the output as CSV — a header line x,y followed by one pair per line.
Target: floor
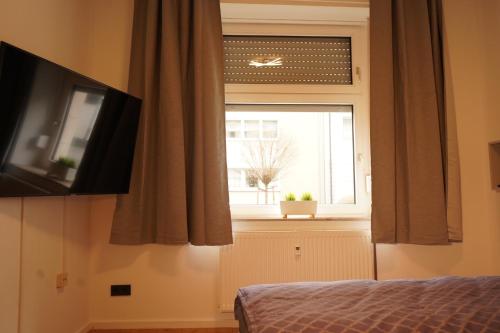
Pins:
x,y
172,330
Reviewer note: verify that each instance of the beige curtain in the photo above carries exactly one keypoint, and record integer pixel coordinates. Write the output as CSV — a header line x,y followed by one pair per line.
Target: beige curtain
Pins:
x,y
178,191
416,185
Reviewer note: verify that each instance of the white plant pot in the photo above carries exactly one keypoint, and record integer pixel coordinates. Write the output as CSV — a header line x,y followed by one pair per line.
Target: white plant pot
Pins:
x,y
61,172
298,208
70,175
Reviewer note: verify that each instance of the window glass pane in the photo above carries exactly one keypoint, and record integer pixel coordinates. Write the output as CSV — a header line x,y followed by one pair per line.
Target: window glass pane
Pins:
x,y
340,159
252,129
270,129
313,152
233,128
234,177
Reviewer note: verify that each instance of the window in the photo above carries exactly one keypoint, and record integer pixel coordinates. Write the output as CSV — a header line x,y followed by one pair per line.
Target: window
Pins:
x,y
233,128
297,116
252,129
234,178
314,153
269,129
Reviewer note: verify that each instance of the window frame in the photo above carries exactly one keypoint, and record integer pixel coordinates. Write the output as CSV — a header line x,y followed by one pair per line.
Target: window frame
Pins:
x,y
356,94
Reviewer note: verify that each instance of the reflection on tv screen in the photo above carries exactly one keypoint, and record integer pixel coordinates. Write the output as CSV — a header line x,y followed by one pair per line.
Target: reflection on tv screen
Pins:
x,y
62,133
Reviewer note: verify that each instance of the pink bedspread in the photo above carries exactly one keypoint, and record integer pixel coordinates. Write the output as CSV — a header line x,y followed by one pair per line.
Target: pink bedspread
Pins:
x,y
449,304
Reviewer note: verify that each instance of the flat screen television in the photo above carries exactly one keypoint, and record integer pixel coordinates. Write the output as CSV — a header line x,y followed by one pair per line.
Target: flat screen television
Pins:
x,y
62,133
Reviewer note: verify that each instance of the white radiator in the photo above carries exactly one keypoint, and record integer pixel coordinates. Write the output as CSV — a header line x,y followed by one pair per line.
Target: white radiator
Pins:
x,y
291,256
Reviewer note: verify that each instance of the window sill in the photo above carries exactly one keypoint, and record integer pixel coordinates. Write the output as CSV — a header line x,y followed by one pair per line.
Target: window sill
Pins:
x,y
301,223
243,218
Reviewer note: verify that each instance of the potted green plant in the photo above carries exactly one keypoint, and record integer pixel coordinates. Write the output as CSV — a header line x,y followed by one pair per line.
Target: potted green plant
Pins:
x,y
306,206
252,179
63,169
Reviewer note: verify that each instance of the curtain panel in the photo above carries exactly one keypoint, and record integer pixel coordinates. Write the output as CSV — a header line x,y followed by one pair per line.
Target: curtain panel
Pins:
x,y
178,192
416,184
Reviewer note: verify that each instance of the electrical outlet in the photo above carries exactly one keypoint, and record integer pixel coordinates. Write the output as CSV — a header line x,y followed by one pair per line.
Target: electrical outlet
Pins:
x,y
121,290
61,280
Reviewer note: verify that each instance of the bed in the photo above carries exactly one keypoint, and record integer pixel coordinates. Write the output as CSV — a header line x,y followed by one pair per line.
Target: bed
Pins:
x,y
447,304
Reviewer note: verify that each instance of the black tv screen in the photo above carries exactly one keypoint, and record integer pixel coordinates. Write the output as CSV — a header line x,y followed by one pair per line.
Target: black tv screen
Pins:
x,y
62,133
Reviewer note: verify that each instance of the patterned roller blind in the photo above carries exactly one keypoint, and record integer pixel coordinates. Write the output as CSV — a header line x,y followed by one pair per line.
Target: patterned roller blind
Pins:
x,y
287,60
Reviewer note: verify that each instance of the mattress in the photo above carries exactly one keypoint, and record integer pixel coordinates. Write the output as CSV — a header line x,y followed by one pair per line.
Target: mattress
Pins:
x,y
447,304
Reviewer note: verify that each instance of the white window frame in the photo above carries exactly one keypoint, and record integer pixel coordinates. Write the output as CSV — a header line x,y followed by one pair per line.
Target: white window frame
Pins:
x,y
356,94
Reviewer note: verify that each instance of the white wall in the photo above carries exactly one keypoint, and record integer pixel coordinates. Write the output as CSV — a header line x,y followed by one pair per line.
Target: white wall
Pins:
x,y
62,31
10,215
170,284
45,253
111,32
178,283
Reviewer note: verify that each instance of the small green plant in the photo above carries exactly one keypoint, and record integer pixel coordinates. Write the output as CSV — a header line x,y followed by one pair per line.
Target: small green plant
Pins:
x,y
306,196
290,197
67,162
252,180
